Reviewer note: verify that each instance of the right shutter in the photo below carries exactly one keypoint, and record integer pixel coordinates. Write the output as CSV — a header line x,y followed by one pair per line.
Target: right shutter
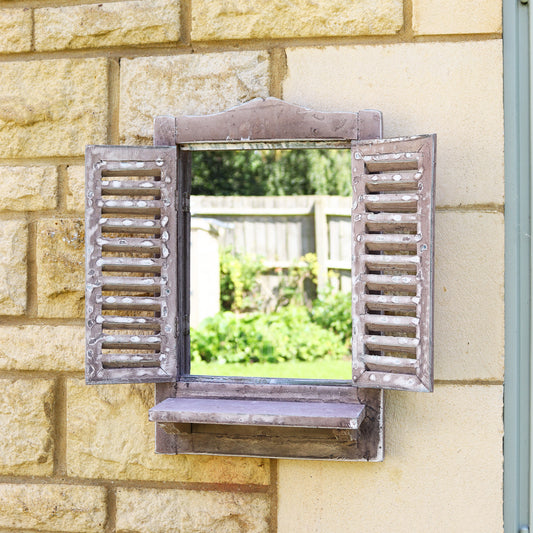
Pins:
x,y
131,264
392,263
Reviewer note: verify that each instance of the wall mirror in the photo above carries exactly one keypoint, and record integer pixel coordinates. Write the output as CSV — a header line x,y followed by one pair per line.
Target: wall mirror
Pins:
x,y
270,263
141,327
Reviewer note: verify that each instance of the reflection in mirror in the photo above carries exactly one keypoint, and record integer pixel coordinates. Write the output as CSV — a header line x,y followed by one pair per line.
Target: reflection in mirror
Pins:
x,y
270,263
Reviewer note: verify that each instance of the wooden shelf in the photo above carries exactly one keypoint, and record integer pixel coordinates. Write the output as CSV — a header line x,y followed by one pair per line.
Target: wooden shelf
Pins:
x,y
259,413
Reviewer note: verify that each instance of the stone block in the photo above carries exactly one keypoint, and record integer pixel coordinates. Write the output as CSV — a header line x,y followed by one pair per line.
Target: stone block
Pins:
x,y
443,466
108,24
59,348
13,249
435,17
52,107
469,296
54,507
15,29
110,437
28,188
76,188
60,267
272,19
186,84
173,511
26,446
453,89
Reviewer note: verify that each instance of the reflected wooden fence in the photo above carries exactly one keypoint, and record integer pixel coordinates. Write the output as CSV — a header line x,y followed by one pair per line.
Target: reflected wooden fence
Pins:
x,y
281,229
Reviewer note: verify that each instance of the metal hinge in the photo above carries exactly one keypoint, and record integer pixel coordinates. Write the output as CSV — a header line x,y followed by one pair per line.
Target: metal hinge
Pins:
x,y
524,529
524,2
186,203
183,326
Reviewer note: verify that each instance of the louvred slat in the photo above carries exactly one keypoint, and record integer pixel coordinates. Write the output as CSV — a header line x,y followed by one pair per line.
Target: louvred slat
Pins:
x,y
131,264
392,262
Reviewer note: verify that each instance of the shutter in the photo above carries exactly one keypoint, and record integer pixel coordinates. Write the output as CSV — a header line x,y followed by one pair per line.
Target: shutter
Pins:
x,y
131,264
392,263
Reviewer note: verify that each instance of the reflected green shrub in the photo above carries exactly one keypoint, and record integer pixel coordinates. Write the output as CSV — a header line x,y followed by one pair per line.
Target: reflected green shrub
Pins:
x,y
285,335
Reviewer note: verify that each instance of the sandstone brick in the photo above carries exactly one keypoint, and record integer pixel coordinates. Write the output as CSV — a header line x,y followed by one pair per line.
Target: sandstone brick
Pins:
x,y
58,348
76,188
469,290
187,84
52,107
259,19
13,246
109,436
443,466
60,267
15,29
174,511
107,24
28,188
25,425
453,89
61,507
433,17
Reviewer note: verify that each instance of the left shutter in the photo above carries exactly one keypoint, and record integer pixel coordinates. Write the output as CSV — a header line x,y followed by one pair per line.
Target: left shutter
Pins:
x,y
131,264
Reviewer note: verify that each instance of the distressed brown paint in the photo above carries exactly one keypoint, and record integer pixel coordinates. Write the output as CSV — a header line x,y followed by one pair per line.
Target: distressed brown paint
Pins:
x,y
117,211
392,269
272,119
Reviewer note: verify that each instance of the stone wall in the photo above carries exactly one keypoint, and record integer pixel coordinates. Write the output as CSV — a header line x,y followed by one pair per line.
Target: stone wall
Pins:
x,y
79,459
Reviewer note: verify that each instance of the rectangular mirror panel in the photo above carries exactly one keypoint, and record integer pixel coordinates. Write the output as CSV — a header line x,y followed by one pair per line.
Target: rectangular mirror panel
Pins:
x,y
270,263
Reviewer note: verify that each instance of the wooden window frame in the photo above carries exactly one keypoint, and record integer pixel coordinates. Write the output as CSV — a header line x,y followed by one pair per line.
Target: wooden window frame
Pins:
x,y
283,417
263,124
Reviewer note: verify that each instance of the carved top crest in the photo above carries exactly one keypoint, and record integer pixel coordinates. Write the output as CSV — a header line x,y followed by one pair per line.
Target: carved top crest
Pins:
x,y
264,119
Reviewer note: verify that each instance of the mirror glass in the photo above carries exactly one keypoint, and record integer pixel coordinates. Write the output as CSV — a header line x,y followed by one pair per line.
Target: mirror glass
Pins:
x,y
270,263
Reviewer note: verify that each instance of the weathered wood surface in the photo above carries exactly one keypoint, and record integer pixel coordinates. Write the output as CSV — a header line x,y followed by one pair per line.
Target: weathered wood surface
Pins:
x,y
164,442
184,263
165,130
264,145
259,412
393,193
362,444
293,445
270,118
139,291
267,388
